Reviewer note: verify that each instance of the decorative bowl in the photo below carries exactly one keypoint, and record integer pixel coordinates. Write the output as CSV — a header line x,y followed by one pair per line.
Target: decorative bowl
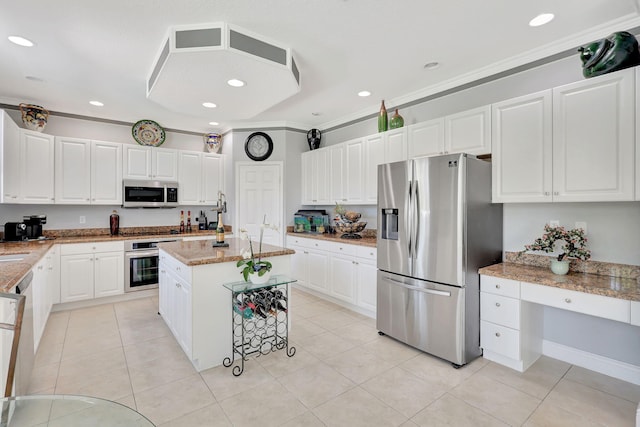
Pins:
x,y
34,117
350,227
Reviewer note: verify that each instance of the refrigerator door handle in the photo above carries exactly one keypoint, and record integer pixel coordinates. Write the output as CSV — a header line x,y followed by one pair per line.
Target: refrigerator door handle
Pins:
x,y
409,226
416,219
419,289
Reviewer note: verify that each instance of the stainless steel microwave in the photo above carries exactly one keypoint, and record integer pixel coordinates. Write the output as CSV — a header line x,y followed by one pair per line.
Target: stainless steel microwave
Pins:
x,y
149,194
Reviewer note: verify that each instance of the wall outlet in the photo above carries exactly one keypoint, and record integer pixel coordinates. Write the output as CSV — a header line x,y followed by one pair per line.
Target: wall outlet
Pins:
x,y
583,225
83,219
554,223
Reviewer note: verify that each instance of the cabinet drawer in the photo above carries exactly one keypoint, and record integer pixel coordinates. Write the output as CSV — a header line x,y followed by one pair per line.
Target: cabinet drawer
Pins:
x,y
500,339
175,267
635,313
308,243
501,310
341,249
499,286
367,252
91,247
594,305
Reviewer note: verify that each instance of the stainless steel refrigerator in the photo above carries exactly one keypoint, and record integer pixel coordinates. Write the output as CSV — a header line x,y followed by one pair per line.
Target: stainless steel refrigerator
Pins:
x,y
436,227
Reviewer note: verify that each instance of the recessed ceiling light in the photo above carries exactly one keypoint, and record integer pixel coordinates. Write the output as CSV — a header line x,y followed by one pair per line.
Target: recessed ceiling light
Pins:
x,y
431,65
214,123
364,93
34,78
235,83
543,18
209,105
21,41
96,103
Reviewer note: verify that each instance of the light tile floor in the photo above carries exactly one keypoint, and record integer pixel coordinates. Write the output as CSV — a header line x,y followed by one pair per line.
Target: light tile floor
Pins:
x,y
343,374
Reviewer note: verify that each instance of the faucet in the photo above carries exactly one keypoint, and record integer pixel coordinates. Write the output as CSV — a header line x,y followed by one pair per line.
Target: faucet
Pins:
x,y
221,204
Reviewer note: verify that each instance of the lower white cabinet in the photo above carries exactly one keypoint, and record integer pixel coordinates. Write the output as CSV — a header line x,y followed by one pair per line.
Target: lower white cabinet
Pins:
x,y
342,271
45,291
635,313
91,270
175,302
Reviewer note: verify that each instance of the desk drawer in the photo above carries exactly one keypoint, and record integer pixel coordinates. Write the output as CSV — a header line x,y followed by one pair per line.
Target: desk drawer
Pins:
x,y
500,339
501,310
580,302
499,286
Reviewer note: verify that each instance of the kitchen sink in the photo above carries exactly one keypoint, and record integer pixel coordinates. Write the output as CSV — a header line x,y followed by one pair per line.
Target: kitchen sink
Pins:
x,y
12,257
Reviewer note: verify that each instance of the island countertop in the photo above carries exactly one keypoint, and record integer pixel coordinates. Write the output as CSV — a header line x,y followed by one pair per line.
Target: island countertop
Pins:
x,y
200,252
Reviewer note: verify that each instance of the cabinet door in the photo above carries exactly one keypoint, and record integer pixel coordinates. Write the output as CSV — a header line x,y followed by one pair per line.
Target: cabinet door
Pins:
x,y
342,279
164,291
469,131
190,192
375,155
637,134
109,274
53,271
76,277
164,164
212,177
299,265
317,267
106,173
37,171
39,300
593,139
182,312
521,158
366,285
308,177
11,160
337,174
136,162
355,154
73,171
426,138
395,145
321,187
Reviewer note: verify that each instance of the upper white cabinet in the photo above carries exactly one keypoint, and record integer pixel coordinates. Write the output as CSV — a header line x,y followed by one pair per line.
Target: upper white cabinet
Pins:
x,y
522,149
465,132
36,167
354,183
594,139
141,162
200,177
10,177
88,172
337,173
315,167
637,134
374,156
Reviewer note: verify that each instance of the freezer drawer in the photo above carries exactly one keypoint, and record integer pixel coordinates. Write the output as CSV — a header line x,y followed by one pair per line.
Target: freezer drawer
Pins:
x,y
425,315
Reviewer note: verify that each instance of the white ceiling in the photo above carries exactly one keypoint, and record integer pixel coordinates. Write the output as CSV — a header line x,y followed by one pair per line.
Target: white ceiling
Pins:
x,y
104,50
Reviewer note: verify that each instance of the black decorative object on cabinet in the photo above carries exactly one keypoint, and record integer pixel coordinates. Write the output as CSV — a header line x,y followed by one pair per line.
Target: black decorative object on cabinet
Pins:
x,y
313,138
616,52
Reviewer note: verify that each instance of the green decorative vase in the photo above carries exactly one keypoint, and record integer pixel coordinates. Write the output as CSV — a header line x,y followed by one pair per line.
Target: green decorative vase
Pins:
x,y
396,121
383,119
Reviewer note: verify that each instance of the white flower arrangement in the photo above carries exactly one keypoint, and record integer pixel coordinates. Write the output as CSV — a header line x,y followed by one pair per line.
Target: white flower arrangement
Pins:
x,y
251,263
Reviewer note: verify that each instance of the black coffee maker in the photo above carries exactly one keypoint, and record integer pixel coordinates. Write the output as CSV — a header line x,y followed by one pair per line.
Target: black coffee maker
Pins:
x,y
33,225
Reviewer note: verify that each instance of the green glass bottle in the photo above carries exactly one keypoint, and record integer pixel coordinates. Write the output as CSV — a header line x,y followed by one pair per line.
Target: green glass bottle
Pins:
x,y
396,121
382,118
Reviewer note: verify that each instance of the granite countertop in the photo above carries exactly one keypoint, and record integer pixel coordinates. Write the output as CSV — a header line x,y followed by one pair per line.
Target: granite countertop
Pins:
x,y
609,286
200,252
366,240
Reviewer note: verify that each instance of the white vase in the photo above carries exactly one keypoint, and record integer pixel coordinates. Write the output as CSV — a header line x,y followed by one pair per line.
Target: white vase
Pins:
x,y
559,267
259,280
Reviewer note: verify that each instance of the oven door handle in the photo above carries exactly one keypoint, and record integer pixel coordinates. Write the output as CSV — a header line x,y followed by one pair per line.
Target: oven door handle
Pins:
x,y
131,255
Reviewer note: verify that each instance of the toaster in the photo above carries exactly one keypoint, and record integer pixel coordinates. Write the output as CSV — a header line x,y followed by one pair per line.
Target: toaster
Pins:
x,y
15,231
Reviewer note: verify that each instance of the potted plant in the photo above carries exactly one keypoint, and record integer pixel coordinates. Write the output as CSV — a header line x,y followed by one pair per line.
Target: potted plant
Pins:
x,y
574,246
254,268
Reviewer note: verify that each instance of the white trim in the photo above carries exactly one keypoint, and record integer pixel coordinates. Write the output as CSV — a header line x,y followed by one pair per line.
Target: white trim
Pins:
x,y
594,362
127,296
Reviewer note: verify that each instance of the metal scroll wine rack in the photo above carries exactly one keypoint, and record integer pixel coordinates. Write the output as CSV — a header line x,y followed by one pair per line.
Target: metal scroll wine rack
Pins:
x,y
260,319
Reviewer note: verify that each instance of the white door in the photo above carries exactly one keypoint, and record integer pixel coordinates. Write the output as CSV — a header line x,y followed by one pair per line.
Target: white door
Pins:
x,y
259,198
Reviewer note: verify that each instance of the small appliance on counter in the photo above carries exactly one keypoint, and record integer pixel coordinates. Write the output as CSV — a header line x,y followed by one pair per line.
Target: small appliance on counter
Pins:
x,y
15,231
311,221
34,225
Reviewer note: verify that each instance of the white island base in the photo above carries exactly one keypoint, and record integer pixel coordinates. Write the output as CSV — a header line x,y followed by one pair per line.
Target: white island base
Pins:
x,y
197,307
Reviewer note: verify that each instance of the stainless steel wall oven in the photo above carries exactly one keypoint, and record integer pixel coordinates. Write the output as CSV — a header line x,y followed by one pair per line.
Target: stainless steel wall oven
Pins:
x,y
141,264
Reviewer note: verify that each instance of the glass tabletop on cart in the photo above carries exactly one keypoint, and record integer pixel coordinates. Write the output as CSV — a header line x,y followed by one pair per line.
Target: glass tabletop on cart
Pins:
x,y
276,280
62,410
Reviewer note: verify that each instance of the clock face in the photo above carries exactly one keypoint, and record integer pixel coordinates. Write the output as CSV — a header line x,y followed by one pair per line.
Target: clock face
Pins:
x,y
258,146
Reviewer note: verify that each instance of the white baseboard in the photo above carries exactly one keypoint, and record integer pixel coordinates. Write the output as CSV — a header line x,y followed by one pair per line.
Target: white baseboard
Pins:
x,y
127,296
594,362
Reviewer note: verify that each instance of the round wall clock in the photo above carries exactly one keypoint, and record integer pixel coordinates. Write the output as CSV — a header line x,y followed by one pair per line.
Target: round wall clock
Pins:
x,y
258,146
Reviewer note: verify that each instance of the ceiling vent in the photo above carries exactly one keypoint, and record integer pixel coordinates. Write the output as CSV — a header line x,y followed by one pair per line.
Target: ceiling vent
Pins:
x,y
195,63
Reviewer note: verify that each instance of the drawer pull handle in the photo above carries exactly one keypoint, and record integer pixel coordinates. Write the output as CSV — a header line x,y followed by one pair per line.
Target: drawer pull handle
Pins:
x,y
497,304
498,334
567,300
497,286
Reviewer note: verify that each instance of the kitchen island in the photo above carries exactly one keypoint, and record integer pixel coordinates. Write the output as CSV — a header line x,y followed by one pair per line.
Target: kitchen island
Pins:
x,y
192,299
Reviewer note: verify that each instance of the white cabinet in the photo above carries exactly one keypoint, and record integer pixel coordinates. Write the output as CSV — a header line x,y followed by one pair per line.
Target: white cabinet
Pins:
x,y
150,163
175,301
426,138
637,105
635,313
366,278
315,167
342,272
337,174
354,183
200,177
374,156
10,150
522,149
91,270
310,263
106,173
40,300
594,139
36,167
395,145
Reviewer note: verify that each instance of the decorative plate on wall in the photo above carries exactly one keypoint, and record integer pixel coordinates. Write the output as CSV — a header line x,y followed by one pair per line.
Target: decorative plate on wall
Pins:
x,y
148,132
